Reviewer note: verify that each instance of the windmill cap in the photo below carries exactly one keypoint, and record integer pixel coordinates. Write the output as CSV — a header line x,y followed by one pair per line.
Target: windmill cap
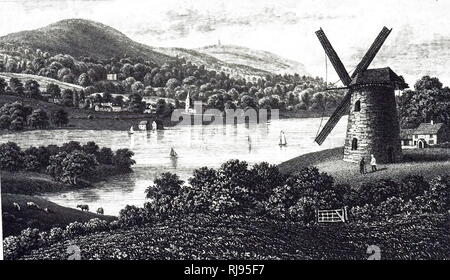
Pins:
x,y
379,77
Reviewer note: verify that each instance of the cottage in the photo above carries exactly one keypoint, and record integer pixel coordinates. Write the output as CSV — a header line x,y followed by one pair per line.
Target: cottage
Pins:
x,y
429,134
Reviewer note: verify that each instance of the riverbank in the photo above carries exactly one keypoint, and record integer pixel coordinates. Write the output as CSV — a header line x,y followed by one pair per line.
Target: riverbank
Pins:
x,y
427,163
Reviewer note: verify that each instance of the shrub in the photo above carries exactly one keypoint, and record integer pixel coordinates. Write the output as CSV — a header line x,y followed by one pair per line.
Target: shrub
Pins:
x,y
55,234
75,229
413,186
132,216
96,225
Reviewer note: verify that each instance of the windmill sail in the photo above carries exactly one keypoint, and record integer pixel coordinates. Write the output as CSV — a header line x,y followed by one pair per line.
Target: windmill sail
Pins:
x,y
334,58
372,52
340,69
334,119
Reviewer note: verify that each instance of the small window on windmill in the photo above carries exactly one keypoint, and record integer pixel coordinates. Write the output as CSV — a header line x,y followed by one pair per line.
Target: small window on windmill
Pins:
x,y
357,106
354,144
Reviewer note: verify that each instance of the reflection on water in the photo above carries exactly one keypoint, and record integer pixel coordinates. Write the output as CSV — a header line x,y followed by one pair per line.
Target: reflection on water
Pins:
x,y
196,146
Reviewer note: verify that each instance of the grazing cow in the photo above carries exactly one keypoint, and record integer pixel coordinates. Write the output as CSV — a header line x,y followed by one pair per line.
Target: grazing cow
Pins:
x,y
16,206
83,207
32,205
100,211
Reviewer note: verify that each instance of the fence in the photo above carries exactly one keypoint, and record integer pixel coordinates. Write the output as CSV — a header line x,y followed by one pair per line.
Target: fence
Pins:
x,y
332,216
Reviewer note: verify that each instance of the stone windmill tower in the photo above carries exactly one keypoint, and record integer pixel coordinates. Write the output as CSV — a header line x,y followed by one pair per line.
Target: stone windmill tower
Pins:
x,y
373,126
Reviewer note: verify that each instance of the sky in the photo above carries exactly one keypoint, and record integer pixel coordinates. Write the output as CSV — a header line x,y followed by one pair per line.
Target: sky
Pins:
x,y
285,27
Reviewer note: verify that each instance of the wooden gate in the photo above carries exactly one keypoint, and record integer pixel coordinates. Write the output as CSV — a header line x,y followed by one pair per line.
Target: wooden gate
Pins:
x,y
332,216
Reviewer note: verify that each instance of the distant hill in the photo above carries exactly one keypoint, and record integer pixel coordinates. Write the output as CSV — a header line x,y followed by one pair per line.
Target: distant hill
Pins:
x,y
258,59
212,63
80,37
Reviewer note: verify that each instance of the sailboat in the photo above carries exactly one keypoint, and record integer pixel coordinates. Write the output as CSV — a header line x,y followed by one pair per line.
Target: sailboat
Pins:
x,y
131,130
173,154
283,141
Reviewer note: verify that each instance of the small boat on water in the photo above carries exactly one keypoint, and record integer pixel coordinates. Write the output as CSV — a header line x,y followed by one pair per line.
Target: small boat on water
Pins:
x,y
283,141
173,154
131,131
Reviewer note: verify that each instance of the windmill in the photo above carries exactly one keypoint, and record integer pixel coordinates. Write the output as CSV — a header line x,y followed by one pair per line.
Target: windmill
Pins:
x,y
372,124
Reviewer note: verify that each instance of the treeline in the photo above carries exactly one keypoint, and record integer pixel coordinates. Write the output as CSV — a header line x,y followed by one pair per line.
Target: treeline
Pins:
x,y
67,163
175,80
428,101
16,116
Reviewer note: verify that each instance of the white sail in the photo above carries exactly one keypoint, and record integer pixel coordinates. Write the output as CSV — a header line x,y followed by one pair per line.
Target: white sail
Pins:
x,y
283,141
173,154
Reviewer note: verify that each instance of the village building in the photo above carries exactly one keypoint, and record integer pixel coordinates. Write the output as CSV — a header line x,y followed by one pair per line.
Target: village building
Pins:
x,y
429,134
111,77
145,125
425,135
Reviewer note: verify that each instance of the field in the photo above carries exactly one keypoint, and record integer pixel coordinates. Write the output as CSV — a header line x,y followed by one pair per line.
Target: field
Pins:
x,y
428,163
203,237
14,221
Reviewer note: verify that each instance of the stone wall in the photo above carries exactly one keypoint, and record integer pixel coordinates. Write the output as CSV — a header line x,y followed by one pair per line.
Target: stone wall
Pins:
x,y
375,126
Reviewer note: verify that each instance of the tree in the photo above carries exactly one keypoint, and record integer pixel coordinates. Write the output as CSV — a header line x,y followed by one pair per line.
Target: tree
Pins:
x,y
137,87
135,104
31,163
78,164
55,168
54,90
105,156
60,118
248,101
3,86
84,80
11,157
70,147
123,159
91,148
67,97
5,122
16,86
38,119
163,192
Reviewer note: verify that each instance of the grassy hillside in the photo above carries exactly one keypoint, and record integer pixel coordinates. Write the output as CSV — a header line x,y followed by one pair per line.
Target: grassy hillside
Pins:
x,y
80,37
43,81
428,163
15,221
29,183
236,237
254,58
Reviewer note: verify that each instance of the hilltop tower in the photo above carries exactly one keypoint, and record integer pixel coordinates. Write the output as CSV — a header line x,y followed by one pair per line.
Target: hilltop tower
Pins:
x,y
373,126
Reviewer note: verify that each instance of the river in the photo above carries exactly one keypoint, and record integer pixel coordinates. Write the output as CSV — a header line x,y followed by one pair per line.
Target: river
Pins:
x,y
197,146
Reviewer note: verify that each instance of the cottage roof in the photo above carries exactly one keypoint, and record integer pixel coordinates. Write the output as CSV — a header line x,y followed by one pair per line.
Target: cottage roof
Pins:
x,y
384,76
428,128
